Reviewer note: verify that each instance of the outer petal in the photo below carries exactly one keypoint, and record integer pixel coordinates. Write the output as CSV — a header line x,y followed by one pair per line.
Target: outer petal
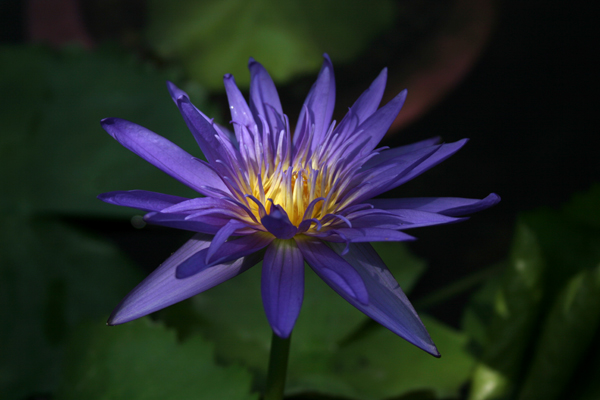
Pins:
x,y
209,225
358,235
199,124
240,112
369,100
376,126
336,272
450,206
390,154
241,247
221,236
199,203
141,199
161,288
445,151
319,104
164,155
399,219
233,250
408,166
282,285
262,93
387,305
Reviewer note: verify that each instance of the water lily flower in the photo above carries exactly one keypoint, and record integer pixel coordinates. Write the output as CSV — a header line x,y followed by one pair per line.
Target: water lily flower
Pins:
x,y
287,199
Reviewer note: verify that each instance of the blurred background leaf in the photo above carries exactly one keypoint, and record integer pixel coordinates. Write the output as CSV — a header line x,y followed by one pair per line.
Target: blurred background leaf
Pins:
x,y
566,334
214,37
545,318
52,277
143,360
516,306
60,158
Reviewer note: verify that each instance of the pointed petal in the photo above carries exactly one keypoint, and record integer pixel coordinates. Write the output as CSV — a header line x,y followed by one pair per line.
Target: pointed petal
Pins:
x,y
199,124
221,236
241,247
198,203
450,206
162,289
359,235
336,272
377,125
240,112
208,225
278,223
445,151
389,154
262,90
319,103
282,285
369,100
164,155
408,166
400,219
387,305
141,199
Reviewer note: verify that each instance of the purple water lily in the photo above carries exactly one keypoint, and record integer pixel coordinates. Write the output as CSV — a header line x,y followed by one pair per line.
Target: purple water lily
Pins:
x,y
288,199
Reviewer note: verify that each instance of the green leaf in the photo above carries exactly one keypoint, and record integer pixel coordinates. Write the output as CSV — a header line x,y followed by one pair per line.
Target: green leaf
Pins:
x,y
60,158
143,360
568,246
516,308
381,366
215,37
51,278
236,322
567,332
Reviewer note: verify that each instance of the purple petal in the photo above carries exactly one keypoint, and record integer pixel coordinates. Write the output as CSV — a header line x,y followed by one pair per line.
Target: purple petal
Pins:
x,y
141,199
374,181
387,305
199,124
443,153
278,223
240,112
208,225
399,219
241,247
395,152
450,206
319,103
263,92
358,235
164,155
198,203
282,285
369,100
408,166
162,289
377,125
332,268
221,236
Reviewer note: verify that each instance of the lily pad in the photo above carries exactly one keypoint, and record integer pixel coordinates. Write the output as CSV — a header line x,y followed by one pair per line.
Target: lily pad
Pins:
x,y
143,360
52,277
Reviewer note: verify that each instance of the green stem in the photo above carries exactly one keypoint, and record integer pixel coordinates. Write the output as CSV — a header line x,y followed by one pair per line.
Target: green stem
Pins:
x,y
278,360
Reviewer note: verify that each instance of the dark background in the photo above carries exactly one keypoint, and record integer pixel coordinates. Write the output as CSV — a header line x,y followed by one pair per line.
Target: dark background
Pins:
x,y
528,105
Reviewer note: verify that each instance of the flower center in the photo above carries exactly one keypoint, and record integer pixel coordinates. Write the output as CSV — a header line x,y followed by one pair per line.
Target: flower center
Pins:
x,y
301,192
